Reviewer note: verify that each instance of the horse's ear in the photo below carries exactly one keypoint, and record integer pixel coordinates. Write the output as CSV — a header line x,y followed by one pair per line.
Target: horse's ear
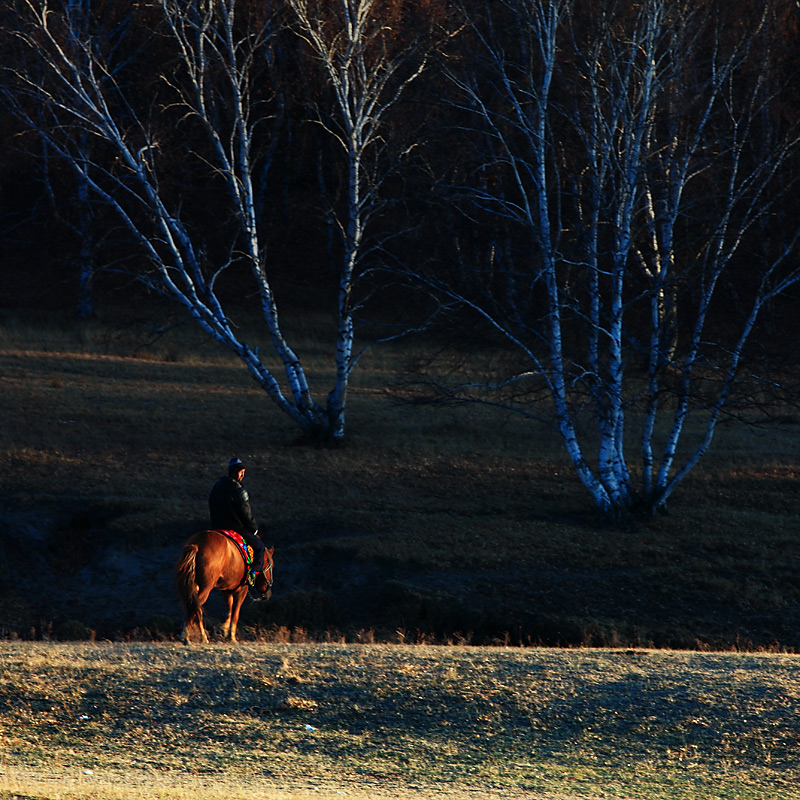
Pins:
x,y
271,550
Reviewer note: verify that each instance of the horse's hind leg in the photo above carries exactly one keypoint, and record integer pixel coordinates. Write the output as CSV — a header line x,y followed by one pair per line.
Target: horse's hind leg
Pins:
x,y
199,616
226,630
202,629
188,618
195,619
234,600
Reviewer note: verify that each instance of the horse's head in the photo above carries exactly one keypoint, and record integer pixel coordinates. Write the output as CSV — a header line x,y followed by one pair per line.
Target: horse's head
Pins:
x,y
263,583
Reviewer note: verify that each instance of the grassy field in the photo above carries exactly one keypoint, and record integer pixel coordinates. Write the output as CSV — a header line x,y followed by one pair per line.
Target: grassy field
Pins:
x,y
119,721
430,525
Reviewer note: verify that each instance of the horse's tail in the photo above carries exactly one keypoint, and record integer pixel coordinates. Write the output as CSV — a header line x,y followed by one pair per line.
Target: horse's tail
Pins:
x,y
186,581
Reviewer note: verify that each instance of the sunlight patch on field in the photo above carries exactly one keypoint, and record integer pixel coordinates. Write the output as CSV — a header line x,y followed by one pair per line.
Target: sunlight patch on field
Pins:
x,y
101,721
15,783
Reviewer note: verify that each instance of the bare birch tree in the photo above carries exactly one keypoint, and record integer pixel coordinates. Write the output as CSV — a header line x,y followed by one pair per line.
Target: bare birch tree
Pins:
x,y
624,137
368,66
205,117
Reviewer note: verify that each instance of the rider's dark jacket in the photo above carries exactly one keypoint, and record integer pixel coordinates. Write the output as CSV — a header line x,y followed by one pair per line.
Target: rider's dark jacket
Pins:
x,y
229,505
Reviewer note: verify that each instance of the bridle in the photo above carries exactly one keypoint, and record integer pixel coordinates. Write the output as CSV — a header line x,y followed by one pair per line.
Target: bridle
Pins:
x,y
267,571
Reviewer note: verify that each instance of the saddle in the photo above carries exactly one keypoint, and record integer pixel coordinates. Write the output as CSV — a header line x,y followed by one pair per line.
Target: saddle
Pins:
x,y
244,549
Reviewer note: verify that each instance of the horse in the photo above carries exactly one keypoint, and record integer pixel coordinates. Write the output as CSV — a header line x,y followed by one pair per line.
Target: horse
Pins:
x,y
210,560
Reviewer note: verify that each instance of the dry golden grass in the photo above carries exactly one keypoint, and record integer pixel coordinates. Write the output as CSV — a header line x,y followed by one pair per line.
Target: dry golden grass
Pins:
x,y
110,721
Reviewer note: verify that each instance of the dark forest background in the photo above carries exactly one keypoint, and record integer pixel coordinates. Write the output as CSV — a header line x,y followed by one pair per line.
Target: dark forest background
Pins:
x,y
61,250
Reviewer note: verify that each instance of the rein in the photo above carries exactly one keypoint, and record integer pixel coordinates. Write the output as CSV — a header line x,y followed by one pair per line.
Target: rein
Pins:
x,y
267,569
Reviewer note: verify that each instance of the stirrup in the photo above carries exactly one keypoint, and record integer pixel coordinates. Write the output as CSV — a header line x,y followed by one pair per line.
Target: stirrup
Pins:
x,y
251,577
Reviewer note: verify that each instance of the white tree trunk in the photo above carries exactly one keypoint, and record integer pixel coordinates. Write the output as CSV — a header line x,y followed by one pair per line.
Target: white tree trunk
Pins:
x,y
608,128
366,77
213,92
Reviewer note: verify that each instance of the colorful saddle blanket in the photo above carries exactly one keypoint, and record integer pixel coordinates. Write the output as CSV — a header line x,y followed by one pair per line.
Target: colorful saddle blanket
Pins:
x,y
244,548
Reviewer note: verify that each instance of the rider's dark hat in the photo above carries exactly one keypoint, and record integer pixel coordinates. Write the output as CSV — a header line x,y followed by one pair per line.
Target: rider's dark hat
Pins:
x,y
235,463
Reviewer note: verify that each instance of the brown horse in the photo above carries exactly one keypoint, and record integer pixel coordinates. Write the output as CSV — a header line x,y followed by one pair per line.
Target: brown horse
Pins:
x,y
210,560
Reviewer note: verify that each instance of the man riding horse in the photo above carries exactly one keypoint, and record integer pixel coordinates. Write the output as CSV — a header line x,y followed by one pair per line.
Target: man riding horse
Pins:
x,y
229,505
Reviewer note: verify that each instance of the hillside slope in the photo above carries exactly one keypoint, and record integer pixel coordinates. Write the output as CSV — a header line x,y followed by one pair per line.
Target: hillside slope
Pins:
x,y
430,525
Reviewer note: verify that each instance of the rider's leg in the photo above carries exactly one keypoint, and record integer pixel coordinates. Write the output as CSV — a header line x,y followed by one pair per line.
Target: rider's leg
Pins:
x,y
258,551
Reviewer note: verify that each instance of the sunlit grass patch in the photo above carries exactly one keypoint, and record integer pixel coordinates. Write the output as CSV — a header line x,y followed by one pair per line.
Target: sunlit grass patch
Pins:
x,y
371,721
